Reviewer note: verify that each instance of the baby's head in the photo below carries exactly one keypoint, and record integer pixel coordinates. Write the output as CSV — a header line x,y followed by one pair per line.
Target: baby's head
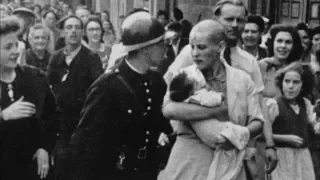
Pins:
x,y
181,87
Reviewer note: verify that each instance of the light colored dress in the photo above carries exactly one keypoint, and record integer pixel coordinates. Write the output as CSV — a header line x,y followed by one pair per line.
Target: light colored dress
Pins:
x,y
190,157
294,163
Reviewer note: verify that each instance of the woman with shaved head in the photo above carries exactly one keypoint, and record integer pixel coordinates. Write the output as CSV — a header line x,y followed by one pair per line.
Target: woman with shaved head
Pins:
x,y
195,155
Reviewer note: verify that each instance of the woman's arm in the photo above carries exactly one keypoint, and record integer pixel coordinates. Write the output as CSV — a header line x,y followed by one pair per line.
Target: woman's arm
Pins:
x,y
191,112
208,130
280,138
256,119
294,140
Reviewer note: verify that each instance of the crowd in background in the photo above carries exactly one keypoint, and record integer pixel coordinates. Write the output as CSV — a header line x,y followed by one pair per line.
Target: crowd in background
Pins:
x,y
65,54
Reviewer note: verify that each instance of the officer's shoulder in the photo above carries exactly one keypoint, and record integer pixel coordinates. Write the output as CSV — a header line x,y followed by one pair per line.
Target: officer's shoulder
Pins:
x,y
109,76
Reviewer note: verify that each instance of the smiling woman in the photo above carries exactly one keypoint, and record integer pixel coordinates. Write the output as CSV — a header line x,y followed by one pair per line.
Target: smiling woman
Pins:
x,y
26,119
284,47
94,39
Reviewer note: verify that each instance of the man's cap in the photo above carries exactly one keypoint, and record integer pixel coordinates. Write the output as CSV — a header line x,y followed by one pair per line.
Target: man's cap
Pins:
x,y
23,10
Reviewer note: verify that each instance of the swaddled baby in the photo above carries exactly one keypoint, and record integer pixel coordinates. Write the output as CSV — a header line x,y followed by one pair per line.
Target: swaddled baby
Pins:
x,y
191,88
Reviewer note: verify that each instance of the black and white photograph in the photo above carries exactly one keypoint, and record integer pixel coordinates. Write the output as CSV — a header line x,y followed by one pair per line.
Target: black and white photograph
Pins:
x,y
159,89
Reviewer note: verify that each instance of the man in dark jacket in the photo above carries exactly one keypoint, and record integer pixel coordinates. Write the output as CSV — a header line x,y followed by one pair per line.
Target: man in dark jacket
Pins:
x,y
175,45
71,72
117,136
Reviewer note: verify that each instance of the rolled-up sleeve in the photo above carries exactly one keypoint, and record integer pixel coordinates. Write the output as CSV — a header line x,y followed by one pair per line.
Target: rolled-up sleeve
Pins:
x,y
257,77
272,108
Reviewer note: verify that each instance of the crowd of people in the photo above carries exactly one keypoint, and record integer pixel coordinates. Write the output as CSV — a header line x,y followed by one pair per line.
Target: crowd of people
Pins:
x,y
227,98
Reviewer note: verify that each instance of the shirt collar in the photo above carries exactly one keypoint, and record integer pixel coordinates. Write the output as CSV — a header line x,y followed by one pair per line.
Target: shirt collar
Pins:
x,y
133,68
73,53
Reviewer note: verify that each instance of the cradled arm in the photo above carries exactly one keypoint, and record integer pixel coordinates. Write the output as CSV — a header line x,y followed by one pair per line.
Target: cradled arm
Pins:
x,y
190,112
209,130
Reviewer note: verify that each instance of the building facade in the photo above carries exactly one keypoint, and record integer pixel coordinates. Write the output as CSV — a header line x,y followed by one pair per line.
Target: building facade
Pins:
x,y
288,11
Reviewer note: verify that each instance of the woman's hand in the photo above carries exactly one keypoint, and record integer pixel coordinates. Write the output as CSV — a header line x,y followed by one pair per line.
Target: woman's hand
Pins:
x,y
42,157
294,140
316,128
18,110
163,139
271,160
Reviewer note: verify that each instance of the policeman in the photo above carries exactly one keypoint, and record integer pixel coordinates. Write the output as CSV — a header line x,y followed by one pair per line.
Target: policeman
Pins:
x,y
121,121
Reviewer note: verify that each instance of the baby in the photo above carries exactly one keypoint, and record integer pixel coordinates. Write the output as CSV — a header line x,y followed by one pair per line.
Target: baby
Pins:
x,y
191,87
186,88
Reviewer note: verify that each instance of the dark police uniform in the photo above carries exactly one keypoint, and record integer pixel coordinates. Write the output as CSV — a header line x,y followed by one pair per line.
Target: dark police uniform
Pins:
x,y
119,127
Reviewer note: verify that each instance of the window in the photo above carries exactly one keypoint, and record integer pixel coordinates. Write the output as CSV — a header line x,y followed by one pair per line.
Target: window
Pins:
x,y
315,10
285,8
295,10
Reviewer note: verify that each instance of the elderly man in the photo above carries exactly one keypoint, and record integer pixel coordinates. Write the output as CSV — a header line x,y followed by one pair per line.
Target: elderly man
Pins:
x,y
192,156
232,14
121,121
38,55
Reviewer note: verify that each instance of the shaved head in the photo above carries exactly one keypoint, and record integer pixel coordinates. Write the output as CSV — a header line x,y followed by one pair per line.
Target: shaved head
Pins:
x,y
212,28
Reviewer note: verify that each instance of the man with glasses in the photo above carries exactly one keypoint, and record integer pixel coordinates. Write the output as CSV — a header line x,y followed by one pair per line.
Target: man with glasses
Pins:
x,y
71,72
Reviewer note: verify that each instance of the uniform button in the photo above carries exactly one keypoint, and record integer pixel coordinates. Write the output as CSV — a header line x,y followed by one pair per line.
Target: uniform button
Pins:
x,y
149,100
135,169
149,108
147,90
129,111
147,140
146,84
147,132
